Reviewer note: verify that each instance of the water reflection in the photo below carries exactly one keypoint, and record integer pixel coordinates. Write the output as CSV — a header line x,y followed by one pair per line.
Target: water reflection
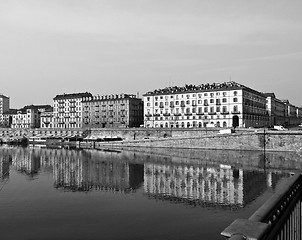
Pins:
x,y
206,178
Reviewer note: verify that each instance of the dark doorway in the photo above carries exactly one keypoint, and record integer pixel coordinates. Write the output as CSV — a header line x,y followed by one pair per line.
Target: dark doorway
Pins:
x,y
235,121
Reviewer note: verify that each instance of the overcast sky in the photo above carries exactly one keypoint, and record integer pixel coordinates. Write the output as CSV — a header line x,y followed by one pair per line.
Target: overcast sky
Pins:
x,y
50,47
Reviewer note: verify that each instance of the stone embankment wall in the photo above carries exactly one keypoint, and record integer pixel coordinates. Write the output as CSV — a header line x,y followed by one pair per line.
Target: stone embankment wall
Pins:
x,y
11,132
151,133
285,141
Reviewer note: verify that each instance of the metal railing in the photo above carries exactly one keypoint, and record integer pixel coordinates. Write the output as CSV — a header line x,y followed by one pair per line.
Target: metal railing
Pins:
x,y
278,218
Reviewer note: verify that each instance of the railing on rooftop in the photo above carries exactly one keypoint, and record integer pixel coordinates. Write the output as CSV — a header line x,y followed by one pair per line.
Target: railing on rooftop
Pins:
x,y
278,218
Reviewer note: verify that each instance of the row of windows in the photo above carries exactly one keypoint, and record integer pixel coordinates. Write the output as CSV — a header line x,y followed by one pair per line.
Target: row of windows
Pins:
x,y
194,95
194,102
198,110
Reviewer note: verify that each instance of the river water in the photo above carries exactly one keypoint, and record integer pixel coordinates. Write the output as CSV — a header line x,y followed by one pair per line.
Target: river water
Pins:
x,y
151,194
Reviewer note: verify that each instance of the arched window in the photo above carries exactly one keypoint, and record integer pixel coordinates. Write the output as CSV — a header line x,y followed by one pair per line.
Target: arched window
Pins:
x,y
188,125
224,124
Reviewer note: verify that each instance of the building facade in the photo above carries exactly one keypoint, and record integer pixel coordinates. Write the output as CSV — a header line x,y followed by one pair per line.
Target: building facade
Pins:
x,y
28,116
222,105
276,110
47,118
67,110
4,107
110,111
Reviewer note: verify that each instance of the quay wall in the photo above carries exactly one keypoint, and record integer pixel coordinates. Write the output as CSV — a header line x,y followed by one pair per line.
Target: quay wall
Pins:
x,y
15,132
285,141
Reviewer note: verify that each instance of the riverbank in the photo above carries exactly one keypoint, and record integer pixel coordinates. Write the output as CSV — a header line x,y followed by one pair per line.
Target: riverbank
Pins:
x,y
134,138
255,141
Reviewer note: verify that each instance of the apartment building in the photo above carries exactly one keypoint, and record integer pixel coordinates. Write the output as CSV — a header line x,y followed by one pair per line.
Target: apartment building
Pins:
x,y
109,111
4,107
276,109
28,116
47,118
67,110
228,104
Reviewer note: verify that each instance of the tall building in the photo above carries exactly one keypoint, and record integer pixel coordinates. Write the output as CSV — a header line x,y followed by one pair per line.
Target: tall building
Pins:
x,y
4,106
28,116
67,110
122,110
228,104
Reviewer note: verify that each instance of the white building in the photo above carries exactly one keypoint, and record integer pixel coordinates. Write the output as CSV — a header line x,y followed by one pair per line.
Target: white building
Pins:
x,y
28,116
47,118
67,110
223,105
276,110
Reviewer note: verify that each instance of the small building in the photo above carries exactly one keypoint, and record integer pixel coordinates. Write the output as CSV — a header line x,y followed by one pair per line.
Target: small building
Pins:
x,y
47,118
110,111
28,116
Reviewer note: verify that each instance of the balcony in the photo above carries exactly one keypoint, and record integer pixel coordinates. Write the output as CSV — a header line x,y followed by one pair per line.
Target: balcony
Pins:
x,y
161,106
235,112
212,113
200,113
177,114
156,115
225,113
166,114
205,104
148,115
188,114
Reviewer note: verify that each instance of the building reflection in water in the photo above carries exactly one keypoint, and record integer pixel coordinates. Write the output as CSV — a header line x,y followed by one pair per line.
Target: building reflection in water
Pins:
x,y
5,160
200,185
192,182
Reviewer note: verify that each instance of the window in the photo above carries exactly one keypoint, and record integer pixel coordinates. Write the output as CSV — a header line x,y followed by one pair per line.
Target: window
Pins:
x,y
188,95
148,98
224,109
211,109
235,93
205,109
200,95
224,94
188,102
156,104
212,94
235,100
217,109
211,100
224,100
199,101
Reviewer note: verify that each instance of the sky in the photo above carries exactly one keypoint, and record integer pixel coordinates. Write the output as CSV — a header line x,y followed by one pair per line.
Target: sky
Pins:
x,y
135,46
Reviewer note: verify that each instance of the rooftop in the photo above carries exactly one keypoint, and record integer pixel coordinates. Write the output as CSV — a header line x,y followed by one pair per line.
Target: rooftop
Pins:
x,y
72,95
199,88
